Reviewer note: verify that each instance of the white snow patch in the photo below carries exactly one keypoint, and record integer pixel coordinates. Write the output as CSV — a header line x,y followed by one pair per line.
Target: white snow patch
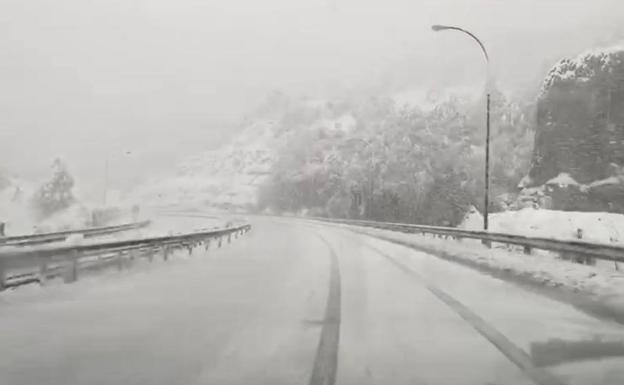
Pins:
x,y
595,226
563,179
612,180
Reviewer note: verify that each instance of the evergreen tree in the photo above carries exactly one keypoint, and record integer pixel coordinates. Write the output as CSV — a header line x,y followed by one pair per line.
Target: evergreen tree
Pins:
x,y
55,194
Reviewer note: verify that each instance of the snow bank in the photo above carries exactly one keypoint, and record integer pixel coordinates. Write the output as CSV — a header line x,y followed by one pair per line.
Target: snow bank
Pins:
x,y
595,226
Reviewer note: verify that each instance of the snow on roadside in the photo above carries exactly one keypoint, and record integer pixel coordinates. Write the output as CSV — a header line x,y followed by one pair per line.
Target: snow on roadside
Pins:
x,y
603,283
597,227
178,224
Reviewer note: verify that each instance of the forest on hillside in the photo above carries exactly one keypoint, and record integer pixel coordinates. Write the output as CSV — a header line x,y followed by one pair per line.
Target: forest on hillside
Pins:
x,y
398,163
560,149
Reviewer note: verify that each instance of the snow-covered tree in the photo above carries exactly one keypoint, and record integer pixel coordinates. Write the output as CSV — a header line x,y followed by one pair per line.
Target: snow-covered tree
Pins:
x,y
402,164
55,194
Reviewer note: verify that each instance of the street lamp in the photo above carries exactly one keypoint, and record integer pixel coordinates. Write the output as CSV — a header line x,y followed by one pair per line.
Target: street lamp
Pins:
x,y
437,28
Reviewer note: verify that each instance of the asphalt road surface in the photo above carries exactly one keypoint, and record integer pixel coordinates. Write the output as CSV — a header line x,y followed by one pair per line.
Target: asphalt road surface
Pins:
x,y
295,303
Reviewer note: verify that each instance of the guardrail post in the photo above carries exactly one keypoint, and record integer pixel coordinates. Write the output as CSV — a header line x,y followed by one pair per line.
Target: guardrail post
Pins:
x,y
2,276
71,268
165,253
527,250
190,249
220,241
43,272
150,254
207,244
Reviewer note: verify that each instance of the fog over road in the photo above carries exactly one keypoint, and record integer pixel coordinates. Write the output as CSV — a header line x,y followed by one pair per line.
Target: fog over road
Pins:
x,y
293,303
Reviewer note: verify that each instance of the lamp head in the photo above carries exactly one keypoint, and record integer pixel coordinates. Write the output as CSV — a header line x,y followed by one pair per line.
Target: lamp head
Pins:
x,y
438,27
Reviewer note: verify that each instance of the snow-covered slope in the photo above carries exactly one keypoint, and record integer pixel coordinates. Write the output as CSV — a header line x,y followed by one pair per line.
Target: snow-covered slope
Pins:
x,y
230,176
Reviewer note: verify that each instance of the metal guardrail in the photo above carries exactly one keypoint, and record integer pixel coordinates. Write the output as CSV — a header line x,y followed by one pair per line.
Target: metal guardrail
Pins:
x,y
33,239
595,250
49,261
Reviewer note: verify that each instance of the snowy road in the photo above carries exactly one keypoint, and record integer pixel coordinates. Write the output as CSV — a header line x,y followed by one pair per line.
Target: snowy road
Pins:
x,y
293,303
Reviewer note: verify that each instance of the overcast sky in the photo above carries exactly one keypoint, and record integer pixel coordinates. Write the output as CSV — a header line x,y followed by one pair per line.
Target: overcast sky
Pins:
x,y
141,82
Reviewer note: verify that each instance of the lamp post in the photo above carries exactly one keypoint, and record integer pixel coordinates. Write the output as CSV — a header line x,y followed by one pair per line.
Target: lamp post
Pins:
x,y
486,199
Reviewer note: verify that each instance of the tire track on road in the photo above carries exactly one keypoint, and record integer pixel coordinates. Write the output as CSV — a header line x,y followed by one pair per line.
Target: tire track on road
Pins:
x,y
514,353
326,359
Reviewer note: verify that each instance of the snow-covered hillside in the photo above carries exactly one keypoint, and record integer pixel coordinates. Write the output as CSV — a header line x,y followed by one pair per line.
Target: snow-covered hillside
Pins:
x,y
226,176
230,176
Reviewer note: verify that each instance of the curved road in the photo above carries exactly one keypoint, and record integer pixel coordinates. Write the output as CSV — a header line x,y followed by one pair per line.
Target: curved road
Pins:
x,y
295,303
